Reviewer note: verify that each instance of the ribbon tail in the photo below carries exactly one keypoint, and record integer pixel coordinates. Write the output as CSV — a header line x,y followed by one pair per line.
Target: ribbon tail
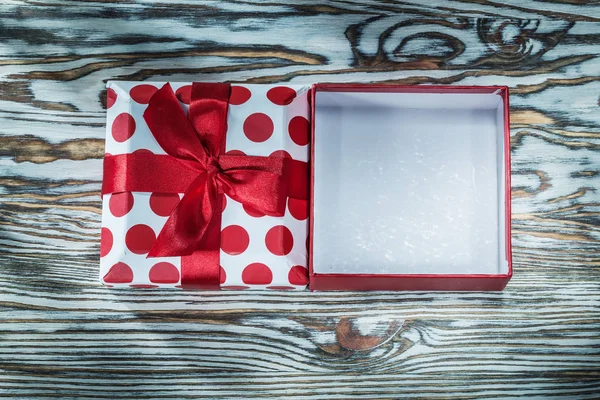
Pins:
x,y
188,223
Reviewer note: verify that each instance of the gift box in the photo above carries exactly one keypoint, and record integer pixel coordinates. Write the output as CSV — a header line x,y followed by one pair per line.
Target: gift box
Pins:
x,y
205,186
410,188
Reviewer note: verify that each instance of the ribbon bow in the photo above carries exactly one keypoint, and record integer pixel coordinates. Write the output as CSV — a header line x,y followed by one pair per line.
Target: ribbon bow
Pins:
x,y
197,166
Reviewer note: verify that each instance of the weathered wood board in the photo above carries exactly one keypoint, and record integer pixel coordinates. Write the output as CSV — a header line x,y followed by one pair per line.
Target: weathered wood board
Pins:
x,y
63,335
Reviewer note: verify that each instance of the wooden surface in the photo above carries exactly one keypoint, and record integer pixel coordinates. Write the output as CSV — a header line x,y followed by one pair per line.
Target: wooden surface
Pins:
x,y
63,335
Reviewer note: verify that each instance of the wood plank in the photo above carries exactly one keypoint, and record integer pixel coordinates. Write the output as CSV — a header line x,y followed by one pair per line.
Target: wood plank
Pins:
x,y
64,335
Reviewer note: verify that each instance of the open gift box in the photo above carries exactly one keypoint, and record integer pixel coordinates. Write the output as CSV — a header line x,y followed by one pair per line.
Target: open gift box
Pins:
x,y
410,188
207,186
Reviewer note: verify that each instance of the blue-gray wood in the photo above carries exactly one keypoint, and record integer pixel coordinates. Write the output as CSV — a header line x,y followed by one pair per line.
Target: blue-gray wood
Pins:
x,y
63,335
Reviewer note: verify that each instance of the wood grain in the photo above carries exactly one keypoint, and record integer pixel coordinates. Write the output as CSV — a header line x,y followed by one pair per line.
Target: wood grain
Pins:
x,y
63,335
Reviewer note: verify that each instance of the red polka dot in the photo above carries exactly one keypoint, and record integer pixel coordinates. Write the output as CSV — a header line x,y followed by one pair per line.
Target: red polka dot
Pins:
x,y
184,94
143,151
298,275
280,154
163,203
298,208
222,275
142,93
106,241
235,153
140,238
120,204
119,273
258,127
281,95
253,212
144,286
233,287
234,240
279,240
239,95
123,127
111,98
299,130
257,274
281,287
107,155
164,272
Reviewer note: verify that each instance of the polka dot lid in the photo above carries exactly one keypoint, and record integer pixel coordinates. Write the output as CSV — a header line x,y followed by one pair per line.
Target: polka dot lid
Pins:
x,y
257,251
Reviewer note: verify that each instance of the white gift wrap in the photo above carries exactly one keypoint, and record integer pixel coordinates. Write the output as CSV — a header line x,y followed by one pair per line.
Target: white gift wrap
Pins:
x,y
257,252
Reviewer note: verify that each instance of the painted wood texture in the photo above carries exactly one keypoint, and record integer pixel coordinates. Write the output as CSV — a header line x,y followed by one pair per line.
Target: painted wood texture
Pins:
x,y
63,335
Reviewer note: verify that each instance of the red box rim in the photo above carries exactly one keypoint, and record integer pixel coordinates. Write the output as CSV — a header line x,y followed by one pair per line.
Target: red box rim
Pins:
x,y
361,87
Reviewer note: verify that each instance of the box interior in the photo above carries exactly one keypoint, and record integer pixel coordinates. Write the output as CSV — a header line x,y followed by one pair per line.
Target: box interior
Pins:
x,y
409,183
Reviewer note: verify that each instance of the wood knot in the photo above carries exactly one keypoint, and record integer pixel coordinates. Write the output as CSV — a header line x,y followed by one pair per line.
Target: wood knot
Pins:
x,y
366,333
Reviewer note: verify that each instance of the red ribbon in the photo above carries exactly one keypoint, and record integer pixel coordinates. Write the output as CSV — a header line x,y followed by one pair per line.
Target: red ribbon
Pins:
x,y
197,166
